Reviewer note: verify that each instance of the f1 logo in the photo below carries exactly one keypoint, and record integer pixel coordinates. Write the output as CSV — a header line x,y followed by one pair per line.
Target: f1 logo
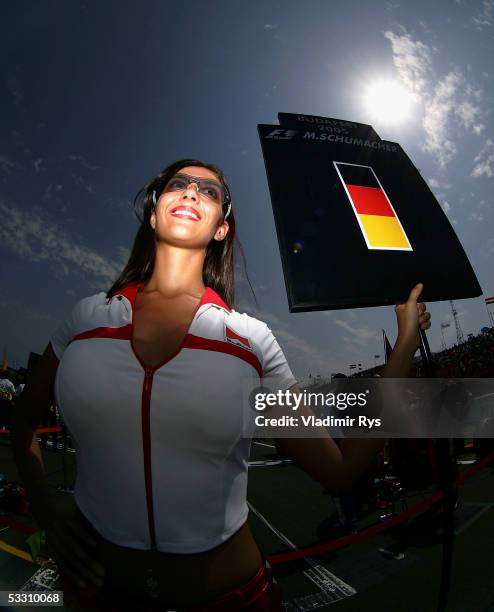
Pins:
x,y
281,134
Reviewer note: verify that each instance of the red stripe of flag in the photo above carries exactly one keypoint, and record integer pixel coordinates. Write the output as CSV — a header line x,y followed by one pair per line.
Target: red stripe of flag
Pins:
x,y
370,201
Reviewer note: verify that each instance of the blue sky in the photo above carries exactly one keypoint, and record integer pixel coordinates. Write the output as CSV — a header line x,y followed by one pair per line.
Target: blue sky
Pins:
x,y
99,96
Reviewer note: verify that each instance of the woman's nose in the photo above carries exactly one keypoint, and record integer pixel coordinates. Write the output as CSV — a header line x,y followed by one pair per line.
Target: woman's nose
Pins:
x,y
192,192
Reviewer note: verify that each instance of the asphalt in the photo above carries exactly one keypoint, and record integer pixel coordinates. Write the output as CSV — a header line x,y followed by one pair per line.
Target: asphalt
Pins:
x,y
290,511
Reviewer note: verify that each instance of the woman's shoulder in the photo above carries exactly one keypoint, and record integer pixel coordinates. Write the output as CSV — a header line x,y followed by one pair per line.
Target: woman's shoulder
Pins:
x,y
249,325
90,302
97,310
263,342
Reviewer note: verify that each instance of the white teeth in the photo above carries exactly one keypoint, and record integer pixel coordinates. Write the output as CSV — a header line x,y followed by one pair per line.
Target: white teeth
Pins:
x,y
187,213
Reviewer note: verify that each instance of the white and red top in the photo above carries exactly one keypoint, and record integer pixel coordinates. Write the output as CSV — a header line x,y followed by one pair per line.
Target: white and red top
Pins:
x,y
161,461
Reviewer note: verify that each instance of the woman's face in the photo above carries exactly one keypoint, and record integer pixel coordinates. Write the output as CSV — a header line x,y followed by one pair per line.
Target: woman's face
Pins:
x,y
186,217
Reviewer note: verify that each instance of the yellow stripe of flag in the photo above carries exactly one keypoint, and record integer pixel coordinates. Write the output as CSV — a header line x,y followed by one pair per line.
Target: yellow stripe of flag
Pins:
x,y
382,231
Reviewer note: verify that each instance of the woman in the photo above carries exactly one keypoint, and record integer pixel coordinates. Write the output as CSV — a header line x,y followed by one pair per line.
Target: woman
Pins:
x,y
149,381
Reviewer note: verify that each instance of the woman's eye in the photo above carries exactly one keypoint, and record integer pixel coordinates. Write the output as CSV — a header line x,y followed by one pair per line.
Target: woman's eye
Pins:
x,y
176,184
212,192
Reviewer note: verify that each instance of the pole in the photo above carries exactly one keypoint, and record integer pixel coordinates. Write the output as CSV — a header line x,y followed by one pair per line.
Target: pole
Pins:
x,y
445,469
490,314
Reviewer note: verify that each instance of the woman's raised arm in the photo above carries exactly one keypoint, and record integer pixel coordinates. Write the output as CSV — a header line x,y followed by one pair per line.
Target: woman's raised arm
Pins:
x,y
337,467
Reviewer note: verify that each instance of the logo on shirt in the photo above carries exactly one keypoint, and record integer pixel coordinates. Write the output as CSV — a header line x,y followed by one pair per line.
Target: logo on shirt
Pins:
x,y
234,338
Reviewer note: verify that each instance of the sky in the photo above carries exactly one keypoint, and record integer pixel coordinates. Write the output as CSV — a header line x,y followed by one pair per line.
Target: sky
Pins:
x,y
97,97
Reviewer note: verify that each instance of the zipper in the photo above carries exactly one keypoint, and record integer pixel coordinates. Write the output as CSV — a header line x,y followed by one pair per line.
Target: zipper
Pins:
x,y
146,444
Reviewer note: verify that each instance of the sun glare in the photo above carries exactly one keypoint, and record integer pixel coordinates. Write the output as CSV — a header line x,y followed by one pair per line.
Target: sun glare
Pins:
x,y
387,102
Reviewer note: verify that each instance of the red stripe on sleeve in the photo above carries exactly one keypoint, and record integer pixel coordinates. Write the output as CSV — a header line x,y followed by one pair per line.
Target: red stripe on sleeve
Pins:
x,y
116,333
206,344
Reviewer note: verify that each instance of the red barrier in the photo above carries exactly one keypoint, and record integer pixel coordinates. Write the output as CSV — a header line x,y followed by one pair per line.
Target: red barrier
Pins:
x,y
38,431
20,527
319,549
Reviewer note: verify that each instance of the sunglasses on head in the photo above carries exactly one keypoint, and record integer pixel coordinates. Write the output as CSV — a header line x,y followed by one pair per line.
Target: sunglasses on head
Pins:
x,y
209,188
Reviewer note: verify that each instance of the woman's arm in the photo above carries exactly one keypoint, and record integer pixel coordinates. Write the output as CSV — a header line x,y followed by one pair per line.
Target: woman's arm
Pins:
x,y
338,467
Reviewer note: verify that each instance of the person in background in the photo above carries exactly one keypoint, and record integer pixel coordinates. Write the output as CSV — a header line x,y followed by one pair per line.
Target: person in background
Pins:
x,y
7,392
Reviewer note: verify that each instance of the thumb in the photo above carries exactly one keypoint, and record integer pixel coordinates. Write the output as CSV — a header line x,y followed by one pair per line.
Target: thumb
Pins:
x,y
415,292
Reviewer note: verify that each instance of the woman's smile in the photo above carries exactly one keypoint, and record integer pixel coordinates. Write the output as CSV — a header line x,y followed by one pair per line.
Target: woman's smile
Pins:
x,y
186,212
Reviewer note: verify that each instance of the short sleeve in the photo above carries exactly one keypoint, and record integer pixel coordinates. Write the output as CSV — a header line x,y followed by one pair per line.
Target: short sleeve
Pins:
x,y
66,331
276,371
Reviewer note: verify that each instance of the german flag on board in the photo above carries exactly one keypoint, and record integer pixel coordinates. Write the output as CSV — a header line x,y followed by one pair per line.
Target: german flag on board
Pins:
x,y
375,213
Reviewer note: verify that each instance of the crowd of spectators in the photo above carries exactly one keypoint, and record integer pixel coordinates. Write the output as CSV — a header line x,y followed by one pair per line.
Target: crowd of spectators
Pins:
x,y
471,359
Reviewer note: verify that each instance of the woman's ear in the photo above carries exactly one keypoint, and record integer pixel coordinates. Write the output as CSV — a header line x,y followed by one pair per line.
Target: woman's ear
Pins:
x,y
222,231
153,211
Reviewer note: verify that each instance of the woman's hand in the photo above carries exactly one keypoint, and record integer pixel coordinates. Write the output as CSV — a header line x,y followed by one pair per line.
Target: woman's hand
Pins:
x,y
73,547
411,316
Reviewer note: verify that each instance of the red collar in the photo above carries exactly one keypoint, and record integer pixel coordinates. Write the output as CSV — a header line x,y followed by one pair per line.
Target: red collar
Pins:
x,y
208,297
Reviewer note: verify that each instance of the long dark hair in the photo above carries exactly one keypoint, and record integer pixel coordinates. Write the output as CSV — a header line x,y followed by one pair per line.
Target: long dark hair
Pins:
x,y
219,268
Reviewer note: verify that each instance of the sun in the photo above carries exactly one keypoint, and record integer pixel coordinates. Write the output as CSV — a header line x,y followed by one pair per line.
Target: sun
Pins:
x,y
387,102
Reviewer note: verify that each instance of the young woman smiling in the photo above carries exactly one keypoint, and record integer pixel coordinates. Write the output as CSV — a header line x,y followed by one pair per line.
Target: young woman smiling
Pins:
x,y
148,378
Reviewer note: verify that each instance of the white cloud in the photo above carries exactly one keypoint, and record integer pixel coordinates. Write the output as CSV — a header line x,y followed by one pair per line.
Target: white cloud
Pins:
x,y
37,165
50,191
476,216
445,101
7,165
270,26
83,162
445,206
80,182
437,111
358,335
327,313
436,183
484,161
412,60
487,248
35,238
485,17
